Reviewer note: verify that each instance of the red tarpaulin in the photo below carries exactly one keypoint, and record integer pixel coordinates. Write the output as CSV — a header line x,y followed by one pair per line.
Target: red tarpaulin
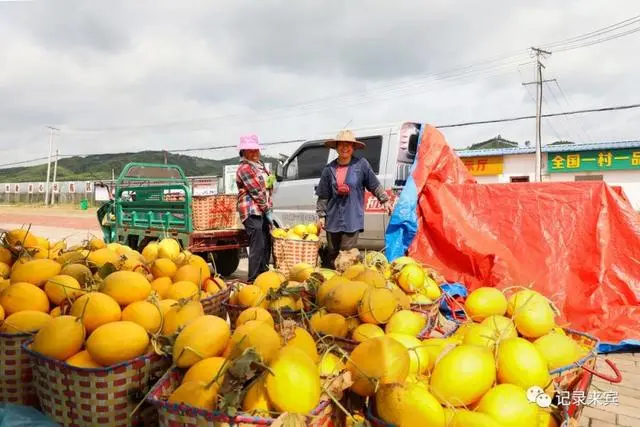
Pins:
x,y
578,243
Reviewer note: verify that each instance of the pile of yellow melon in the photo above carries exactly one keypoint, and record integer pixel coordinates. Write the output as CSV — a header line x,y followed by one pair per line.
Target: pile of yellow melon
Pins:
x,y
307,232
286,376
481,374
97,305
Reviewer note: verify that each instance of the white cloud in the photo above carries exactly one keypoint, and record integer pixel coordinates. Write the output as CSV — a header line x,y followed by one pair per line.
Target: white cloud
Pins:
x,y
113,65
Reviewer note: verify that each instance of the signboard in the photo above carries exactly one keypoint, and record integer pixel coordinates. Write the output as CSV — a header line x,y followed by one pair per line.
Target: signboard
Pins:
x,y
56,188
30,188
594,161
72,187
40,188
484,166
16,188
373,205
230,186
204,187
7,188
88,187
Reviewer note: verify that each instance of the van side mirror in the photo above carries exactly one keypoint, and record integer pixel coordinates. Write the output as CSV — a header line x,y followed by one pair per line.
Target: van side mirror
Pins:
x,y
279,172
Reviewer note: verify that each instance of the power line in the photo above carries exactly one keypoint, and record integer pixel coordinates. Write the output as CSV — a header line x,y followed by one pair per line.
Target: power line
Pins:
x,y
595,33
446,126
518,118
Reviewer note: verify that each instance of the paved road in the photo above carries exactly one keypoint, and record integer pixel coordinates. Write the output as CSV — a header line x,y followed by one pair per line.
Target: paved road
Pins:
x,y
75,226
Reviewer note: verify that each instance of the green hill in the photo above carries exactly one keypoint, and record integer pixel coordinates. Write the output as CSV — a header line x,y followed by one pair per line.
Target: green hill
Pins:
x,y
99,167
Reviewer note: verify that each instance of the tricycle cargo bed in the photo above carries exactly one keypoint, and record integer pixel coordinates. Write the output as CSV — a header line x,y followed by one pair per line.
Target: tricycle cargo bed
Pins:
x,y
217,240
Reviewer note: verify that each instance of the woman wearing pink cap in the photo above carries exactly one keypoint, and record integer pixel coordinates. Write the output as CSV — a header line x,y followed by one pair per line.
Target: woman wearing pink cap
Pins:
x,y
255,185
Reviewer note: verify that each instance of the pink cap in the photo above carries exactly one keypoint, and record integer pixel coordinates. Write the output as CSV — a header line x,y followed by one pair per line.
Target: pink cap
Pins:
x,y
249,142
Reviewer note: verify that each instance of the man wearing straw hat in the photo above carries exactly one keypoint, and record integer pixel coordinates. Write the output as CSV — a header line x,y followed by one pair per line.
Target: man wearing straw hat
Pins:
x,y
340,205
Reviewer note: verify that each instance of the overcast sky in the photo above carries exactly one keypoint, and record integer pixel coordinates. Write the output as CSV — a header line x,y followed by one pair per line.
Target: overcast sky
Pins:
x,y
133,75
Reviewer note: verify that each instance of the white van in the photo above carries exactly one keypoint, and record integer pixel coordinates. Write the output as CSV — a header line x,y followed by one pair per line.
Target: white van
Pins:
x,y
391,151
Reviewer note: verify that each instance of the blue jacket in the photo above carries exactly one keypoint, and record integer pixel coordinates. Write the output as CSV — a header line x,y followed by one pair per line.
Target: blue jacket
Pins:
x,y
345,214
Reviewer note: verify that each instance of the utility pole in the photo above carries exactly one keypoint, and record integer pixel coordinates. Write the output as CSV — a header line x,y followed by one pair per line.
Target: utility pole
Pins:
x,y
55,174
46,194
165,157
539,54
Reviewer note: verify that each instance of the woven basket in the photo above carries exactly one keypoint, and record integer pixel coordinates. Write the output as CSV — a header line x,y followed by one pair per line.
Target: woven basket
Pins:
x,y
572,413
104,396
566,377
16,374
178,415
287,253
215,305
215,212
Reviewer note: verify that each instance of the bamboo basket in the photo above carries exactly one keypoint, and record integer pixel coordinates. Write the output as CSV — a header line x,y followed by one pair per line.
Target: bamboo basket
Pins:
x,y
216,305
175,415
78,397
16,373
215,212
287,253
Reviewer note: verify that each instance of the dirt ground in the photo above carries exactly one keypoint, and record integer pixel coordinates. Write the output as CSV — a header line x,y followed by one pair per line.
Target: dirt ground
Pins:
x,y
75,225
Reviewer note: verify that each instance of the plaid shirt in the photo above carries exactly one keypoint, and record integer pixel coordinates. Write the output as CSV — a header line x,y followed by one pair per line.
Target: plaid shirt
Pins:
x,y
253,196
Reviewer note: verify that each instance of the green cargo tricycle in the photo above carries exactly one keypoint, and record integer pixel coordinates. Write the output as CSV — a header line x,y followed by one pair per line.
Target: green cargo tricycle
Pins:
x,y
153,201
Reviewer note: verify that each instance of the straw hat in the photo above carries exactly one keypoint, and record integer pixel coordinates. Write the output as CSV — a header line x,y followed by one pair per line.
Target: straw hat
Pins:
x,y
345,136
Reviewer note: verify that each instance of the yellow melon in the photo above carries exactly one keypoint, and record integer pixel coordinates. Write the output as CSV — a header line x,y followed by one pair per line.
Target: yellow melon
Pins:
x,y
409,404
23,322
332,324
204,337
165,305
330,365
189,273
163,267
145,314
377,361
56,312
101,257
304,341
180,315
169,249
269,280
126,287
161,286
206,370
60,338
436,347
183,290
461,387
503,327
558,350
23,296
6,257
83,360
62,288
286,303
353,271
485,302
534,319
5,270
509,406
365,331
256,400
117,342
377,305
418,354
255,313
36,272
22,238
196,394
301,272
521,299
327,287
411,278
259,336
96,309
150,252
293,373
406,322
371,278
520,363
252,296
344,299
80,272
197,261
